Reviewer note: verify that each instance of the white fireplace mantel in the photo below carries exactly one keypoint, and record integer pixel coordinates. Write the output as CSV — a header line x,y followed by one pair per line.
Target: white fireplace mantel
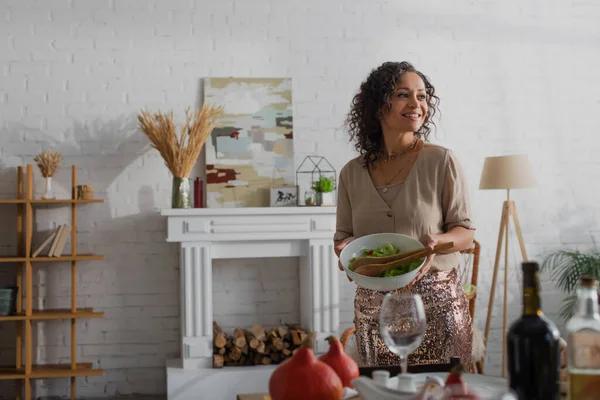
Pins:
x,y
208,234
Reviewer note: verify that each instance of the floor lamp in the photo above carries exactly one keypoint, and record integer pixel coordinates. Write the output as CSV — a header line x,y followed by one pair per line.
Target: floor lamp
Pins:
x,y
505,172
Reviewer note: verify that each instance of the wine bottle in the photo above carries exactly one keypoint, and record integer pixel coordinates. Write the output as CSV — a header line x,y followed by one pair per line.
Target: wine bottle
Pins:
x,y
583,343
533,346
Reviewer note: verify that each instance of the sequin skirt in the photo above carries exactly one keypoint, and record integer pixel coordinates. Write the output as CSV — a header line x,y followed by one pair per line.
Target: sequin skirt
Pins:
x,y
449,327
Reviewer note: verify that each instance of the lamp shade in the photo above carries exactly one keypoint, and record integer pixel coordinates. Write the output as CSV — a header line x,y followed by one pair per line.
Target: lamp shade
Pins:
x,y
507,172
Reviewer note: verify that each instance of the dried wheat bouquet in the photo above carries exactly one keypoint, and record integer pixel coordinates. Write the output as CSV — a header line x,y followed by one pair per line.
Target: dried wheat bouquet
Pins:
x,y
48,162
179,151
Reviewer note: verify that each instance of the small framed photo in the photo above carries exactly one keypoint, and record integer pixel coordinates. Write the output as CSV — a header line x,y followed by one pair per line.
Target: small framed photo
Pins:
x,y
284,196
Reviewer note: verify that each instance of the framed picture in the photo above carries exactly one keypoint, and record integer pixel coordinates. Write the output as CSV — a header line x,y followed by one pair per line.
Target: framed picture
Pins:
x,y
284,196
252,137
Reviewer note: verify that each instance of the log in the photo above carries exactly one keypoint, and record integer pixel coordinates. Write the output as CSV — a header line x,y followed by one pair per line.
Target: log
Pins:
x,y
218,361
235,353
282,331
303,336
278,343
239,339
265,360
261,348
273,332
253,342
296,339
219,336
259,332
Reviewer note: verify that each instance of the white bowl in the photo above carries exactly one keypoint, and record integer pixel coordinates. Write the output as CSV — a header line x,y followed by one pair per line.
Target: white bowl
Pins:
x,y
355,247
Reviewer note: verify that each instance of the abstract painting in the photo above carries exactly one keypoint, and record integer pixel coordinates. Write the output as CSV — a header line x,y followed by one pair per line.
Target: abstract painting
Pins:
x,y
251,147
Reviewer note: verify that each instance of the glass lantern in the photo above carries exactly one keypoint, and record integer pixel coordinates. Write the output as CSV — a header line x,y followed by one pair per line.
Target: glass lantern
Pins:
x,y
317,179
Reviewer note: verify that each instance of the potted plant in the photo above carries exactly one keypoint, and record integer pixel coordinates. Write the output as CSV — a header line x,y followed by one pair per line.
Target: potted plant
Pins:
x,y
308,198
323,188
565,268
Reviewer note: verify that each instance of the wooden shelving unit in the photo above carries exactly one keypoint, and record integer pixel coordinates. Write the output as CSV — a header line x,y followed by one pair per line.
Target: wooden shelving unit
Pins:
x,y
23,370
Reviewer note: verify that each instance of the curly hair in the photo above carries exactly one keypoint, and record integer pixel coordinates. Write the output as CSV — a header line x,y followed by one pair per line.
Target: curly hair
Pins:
x,y
373,97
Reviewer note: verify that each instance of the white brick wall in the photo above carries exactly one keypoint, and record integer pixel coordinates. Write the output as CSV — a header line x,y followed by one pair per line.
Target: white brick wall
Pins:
x,y
514,76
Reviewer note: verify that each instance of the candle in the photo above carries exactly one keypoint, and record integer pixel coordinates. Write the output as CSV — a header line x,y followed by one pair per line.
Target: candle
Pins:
x,y
197,193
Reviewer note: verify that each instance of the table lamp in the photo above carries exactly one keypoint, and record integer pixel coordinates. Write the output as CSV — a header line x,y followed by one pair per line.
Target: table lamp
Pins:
x,y
506,173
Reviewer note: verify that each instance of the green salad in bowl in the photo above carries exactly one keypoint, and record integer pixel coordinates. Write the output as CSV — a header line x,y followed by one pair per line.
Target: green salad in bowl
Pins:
x,y
388,249
382,245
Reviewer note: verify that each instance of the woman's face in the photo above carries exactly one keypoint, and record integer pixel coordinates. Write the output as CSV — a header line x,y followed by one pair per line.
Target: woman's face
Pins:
x,y
408,105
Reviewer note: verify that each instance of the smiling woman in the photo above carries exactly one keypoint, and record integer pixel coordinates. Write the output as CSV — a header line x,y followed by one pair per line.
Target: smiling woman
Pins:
x,y
380,95
401,183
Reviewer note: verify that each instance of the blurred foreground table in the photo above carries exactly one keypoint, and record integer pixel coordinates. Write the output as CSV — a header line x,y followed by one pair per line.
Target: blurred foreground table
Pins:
x,y
488,387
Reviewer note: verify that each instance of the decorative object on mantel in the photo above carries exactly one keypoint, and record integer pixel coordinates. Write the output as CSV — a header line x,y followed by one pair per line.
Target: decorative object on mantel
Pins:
x,y
198,193
179,152
48,163
255,346
323,189
317,178
253,138
284,196
506,173
85,192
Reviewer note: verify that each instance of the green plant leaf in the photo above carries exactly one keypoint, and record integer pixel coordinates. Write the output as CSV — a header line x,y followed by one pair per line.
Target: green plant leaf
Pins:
x,y
323,185
566,267
568,308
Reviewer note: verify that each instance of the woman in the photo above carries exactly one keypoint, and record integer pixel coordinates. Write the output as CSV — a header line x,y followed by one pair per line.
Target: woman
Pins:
x,y
401,183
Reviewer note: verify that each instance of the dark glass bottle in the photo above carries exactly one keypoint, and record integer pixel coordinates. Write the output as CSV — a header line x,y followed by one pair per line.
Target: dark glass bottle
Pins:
x,y
533,348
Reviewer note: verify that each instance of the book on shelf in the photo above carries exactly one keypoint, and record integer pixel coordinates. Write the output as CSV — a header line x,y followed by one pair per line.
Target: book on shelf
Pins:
x,y
62,241
56,239
45,243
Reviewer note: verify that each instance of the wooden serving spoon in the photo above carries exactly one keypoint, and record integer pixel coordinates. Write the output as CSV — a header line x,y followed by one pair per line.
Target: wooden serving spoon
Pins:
x,y
376,269
366,260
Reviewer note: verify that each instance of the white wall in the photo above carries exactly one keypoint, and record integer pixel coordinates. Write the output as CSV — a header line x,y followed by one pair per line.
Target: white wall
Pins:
x,y
514,76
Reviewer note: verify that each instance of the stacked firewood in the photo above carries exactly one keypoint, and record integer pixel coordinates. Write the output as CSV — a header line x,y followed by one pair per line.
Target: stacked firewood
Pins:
x,y
255,346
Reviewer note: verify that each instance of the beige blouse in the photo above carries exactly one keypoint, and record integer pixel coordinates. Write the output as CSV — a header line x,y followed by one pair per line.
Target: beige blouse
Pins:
x,y
432,200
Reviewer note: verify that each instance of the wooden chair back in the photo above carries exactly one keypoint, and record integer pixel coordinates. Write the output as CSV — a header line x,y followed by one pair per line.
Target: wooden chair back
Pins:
x,y
468,272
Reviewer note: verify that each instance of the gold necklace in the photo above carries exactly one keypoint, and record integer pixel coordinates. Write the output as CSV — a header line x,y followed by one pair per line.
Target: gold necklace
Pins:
x,y
385,189
388,181
396,155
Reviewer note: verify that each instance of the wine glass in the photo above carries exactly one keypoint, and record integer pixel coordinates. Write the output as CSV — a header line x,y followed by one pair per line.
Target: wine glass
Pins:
x,y
402,323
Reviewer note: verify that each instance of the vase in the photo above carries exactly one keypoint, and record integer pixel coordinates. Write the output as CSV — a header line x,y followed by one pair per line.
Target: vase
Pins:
x,y
181,193
318,198
324,199
327,199
309,198
48,190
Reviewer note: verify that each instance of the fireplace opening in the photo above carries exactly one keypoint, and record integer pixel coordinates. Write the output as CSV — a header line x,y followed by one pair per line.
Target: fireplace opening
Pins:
x,y
257,345
256,311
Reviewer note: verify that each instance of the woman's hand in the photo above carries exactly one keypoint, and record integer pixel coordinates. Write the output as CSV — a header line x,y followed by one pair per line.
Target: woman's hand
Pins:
x,y
429,241
338,250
